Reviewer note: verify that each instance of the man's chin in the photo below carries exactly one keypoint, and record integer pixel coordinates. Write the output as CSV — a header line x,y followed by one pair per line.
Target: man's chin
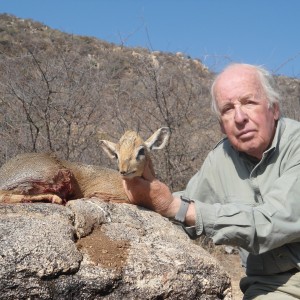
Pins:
x,y
249,148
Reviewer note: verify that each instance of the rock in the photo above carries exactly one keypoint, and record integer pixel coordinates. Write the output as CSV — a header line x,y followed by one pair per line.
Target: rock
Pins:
x,y
91,249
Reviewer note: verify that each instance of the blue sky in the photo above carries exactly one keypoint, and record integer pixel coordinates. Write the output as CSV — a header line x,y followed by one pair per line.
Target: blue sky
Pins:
x,y
263,32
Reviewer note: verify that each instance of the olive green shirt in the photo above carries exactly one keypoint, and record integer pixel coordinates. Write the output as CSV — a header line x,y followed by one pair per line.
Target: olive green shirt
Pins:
x,y
253,204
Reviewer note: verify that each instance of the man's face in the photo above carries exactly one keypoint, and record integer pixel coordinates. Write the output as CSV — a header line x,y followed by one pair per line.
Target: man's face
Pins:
x,y
246,117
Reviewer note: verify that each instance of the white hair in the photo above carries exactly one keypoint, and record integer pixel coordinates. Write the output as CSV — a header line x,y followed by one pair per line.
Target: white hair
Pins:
x,y
266,80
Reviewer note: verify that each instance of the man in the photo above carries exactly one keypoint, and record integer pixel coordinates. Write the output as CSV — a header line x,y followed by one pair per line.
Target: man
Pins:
x,y
247,193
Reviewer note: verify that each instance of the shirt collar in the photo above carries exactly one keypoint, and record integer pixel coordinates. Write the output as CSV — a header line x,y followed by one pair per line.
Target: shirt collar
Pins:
x,y
280,127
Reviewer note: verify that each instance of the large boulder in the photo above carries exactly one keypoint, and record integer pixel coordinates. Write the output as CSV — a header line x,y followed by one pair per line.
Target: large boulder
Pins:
x,y
91,249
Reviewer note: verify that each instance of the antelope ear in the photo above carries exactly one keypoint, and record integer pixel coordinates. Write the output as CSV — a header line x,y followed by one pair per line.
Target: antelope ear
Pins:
x,y
109,148
159,139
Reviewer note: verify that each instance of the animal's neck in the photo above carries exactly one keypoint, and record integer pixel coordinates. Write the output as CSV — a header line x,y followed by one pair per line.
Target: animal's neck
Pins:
x,y
150,164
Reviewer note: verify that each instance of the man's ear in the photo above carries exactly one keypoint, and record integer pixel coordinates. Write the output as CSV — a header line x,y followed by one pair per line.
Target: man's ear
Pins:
x,y
276,111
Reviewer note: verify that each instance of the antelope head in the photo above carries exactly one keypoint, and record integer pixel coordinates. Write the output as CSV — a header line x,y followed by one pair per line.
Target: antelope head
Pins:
x,y
132,152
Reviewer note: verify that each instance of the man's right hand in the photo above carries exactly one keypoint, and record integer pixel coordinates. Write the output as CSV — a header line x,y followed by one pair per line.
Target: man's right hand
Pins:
x,y
149,192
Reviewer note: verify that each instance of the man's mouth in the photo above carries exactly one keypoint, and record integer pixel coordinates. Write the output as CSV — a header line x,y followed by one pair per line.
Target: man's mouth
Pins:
x,y
245,134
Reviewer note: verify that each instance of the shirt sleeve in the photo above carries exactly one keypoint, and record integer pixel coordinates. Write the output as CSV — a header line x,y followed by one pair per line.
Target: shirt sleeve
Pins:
x,y
256,229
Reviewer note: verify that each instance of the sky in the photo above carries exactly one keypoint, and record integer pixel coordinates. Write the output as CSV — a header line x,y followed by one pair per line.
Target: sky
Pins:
x,y
218,32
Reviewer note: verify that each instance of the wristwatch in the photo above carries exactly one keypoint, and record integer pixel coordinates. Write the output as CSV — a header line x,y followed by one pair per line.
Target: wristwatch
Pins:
x,y
180,217
184,205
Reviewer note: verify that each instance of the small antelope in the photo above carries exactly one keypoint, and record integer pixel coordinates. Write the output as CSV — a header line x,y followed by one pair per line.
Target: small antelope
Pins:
x,y
34,177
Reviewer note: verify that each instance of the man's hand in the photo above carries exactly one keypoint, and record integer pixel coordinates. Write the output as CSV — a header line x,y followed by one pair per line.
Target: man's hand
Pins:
x,y
149,192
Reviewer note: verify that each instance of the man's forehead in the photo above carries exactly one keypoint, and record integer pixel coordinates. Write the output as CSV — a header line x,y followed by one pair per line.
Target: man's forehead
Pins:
x,y
233,85
240,98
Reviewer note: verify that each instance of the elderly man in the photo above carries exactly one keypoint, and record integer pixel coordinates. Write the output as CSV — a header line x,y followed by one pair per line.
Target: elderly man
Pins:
x,y
247,193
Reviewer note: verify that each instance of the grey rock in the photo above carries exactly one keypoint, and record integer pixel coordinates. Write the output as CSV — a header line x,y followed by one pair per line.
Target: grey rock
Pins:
x,y
90,249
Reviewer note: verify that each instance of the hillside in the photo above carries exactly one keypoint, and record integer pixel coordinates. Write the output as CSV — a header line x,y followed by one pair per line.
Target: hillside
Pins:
x,y
62,93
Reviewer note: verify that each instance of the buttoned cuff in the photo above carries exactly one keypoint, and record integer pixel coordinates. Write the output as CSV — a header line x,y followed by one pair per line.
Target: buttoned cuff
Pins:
x,y
205,218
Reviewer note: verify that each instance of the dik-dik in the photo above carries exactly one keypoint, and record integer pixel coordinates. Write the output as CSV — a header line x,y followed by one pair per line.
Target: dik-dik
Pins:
x,y
34,177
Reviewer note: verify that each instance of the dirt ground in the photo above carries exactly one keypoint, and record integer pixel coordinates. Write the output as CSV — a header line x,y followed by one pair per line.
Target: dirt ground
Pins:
x,y
113,254
104,251
232,264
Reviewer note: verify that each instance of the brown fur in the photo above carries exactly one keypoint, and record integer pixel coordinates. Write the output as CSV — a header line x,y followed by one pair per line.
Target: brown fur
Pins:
x,y
34,177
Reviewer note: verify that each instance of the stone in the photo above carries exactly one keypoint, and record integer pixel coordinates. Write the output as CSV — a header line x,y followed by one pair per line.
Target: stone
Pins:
x,y
91,249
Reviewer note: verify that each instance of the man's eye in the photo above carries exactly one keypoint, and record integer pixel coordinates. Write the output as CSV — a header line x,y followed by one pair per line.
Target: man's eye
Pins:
x,y
226,110
248,100
251,102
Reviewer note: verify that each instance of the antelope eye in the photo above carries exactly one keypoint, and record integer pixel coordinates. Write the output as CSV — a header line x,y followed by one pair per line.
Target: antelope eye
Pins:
x,y
141,153
116,156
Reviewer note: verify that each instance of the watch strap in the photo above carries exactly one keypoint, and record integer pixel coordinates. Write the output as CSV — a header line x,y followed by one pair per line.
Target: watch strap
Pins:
x,y
184,205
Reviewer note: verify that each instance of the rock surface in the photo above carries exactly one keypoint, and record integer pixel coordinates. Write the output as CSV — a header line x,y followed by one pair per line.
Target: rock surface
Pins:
x,y
91,249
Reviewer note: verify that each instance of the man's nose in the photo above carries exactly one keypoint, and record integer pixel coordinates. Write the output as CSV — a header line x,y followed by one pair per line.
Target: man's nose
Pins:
x,y
240,116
